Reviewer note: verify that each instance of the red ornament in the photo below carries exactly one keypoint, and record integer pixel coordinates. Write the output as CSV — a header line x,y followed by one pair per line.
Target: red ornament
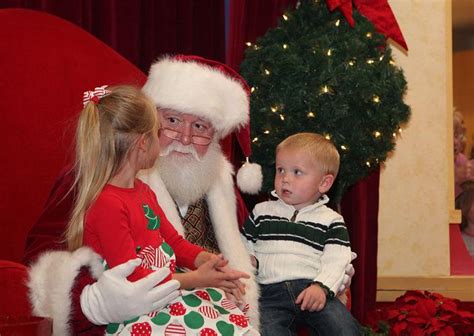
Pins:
x,y
240,320
203,295
227,304
177,309
175,329
173,266
140,329
207,332
209,312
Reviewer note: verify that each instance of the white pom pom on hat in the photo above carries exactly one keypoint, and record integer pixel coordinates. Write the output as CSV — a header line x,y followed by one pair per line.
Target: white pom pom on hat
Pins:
x,y
249,178
212,91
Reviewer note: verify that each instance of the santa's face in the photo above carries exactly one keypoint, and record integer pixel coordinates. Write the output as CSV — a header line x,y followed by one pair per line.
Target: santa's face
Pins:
x,y
189,156
184,134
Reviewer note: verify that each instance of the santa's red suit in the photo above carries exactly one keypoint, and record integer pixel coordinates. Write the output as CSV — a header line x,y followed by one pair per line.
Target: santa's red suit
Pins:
x,y
186,84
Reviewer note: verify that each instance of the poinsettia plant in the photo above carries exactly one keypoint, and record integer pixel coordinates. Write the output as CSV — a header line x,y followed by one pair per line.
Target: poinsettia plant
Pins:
x,y
420,313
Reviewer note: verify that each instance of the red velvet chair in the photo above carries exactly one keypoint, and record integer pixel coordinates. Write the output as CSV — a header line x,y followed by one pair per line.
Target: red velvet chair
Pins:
x,y
15,310
46,64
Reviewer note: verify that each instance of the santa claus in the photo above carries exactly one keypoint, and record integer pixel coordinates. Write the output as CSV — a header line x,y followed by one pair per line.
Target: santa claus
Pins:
x,y
201,102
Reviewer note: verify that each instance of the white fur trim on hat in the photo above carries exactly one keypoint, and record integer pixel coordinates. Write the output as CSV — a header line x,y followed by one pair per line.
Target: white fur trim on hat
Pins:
x,y
195,88
249,178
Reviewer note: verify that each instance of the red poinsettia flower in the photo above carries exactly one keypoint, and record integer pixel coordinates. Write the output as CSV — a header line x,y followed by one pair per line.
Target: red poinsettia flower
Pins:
x,y
422,313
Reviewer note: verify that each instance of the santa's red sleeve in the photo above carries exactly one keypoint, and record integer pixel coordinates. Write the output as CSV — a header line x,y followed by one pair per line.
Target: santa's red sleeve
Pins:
x,y
47,232
242,211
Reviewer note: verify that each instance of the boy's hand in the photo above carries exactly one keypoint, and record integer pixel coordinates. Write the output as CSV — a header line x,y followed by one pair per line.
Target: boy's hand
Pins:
x,y
312,298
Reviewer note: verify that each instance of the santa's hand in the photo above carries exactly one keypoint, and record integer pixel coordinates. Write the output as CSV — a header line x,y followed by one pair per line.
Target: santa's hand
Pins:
x,y
114,299
349,273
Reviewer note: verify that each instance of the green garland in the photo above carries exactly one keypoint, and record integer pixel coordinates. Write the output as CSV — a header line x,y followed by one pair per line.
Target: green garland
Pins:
x,y
315,73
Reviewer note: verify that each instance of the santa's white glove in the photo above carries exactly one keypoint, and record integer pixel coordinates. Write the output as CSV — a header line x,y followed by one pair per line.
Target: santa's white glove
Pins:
x,y
349,273
114,299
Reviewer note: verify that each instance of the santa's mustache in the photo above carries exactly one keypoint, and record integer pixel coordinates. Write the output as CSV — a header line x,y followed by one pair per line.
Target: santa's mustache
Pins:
x,y
178,147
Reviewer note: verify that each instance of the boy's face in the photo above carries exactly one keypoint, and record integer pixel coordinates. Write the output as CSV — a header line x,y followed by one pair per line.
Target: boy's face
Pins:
x,y
298,178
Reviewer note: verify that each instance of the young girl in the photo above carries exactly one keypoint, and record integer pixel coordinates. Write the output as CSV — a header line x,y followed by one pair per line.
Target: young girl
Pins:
x,y
117,215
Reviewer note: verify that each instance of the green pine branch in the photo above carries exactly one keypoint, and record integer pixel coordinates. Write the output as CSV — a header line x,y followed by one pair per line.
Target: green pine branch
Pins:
x,y
315,73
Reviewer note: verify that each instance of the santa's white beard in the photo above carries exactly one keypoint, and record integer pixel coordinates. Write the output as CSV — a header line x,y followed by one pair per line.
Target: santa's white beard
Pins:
x,y
187,179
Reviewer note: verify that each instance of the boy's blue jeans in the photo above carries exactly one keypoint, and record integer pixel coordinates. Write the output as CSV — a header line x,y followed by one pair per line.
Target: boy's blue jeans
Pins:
x,y
281,316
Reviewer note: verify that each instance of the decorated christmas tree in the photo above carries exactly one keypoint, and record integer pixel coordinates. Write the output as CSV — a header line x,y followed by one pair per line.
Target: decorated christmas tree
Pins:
x,y
315,73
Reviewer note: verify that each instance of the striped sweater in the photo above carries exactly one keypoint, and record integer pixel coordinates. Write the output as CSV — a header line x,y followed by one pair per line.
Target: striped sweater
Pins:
x,y
312,243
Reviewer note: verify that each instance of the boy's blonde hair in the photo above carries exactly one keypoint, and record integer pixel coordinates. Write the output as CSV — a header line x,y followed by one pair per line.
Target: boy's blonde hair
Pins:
x,y
320,149
105,133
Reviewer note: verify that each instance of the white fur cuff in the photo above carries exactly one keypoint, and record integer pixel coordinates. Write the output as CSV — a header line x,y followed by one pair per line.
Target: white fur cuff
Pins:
x,y
51,280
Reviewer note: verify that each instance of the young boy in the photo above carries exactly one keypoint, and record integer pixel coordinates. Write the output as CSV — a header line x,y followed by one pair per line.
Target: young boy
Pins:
x,y
300,246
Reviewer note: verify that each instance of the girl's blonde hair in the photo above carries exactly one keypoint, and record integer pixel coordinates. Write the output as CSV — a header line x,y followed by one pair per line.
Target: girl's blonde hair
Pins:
x,y
320,149
105,133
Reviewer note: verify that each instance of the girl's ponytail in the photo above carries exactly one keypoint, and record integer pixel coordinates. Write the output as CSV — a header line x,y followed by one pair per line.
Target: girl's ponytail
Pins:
x,y
88,182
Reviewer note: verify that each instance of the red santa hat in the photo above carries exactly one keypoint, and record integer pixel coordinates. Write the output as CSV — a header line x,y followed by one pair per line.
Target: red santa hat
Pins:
x,y
212,91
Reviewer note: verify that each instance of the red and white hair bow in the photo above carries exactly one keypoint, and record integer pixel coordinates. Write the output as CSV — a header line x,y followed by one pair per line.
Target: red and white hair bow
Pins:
x,y
98,93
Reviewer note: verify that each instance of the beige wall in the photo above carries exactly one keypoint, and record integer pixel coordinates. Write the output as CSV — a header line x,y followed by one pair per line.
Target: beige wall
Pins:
x,y
415,189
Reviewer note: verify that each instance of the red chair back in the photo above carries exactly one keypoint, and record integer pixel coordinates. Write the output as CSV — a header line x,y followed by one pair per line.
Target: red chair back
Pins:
x,y
46,64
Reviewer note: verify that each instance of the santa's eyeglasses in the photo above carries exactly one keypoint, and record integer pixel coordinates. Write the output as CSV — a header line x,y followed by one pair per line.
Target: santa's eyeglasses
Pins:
x,y
176,135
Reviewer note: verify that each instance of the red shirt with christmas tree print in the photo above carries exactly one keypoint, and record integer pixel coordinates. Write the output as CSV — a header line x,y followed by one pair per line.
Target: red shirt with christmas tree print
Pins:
x,y
124,221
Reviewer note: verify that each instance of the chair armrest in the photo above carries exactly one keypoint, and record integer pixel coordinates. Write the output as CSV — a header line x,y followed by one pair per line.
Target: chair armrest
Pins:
x,y
14,299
